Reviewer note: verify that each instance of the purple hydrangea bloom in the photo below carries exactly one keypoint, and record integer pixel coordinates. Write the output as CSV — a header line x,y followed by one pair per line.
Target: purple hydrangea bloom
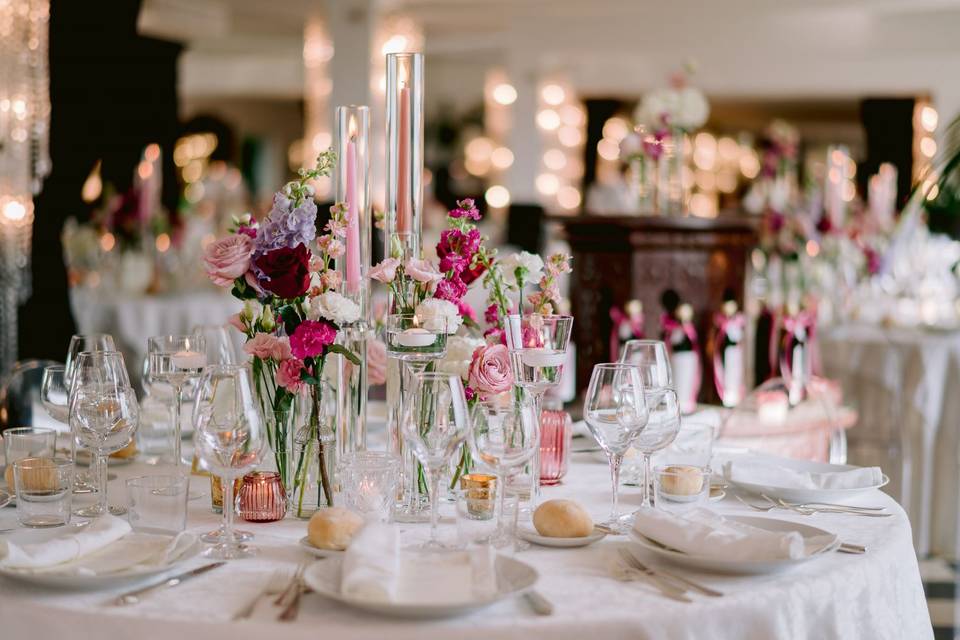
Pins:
x,y
286,226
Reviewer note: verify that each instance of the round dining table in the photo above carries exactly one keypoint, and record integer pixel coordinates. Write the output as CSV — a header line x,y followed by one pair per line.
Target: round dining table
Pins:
x,y
872,596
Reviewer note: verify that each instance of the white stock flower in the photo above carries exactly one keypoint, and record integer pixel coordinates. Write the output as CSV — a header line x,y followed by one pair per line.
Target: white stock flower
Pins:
x,y
459,354
529,261
686,108
692,109
335,308
433,313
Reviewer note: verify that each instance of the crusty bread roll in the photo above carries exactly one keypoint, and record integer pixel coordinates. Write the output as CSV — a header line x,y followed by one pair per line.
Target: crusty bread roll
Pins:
x,y
562,519
333,528
40,475
127,452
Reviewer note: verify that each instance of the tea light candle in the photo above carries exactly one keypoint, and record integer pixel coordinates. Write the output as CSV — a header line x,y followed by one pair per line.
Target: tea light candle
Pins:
x,y
542,357
772,407
480,489
681,480
415,337
262,497
189,360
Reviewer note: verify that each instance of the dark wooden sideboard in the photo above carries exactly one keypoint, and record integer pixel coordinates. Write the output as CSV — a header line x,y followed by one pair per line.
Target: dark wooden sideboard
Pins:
x,y
622,258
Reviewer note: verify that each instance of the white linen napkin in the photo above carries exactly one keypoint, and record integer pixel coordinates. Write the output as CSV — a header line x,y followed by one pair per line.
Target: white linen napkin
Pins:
x,y
371,564
769,472
97,535
704,532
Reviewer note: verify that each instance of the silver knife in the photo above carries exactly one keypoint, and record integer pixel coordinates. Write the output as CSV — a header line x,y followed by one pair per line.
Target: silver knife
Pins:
x,y
540,605
133,597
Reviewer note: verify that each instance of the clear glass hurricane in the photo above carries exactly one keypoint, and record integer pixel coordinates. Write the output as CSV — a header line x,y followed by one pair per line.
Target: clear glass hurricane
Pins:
x,y
103,413
82,343
175,361
229,438
615,411
435,423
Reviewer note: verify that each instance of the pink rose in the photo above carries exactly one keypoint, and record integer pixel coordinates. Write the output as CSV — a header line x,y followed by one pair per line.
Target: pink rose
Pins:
x,y
384,272
311,338
490,371
266,346
288,375
236,322
422,271
376,362
228,259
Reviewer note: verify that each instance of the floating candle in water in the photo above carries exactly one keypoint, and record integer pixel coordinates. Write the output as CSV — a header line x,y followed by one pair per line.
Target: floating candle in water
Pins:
x,y
542,357
415,337
189,360
772,407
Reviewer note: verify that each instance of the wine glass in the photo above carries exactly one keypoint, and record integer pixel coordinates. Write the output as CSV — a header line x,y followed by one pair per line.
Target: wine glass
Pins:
x,y
503,438
615,411
80,343
176,361
538,350
435,422
218,344
229,437
54,393
103,413
652,358
663,424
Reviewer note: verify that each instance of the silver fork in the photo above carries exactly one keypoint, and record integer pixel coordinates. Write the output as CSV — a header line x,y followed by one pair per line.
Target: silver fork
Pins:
x,y
756,507
635,562
666,587
274,585
808,511
290,612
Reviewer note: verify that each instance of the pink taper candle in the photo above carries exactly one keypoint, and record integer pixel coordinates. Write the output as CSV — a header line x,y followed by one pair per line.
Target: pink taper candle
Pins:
x,y
353,221
403,162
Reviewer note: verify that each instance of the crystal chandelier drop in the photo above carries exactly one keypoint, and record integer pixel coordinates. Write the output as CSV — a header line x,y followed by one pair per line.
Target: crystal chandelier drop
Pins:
x,y
24,154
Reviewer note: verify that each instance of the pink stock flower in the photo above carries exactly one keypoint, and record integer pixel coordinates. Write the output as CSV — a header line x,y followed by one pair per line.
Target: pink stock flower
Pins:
x,y
469,393
311,338
316,264
490,371
237,322
466,311
337,228
492,315
228,259
466,208
384,272
376,362
288,375
336,249
451,289
422,271
266,346
331,280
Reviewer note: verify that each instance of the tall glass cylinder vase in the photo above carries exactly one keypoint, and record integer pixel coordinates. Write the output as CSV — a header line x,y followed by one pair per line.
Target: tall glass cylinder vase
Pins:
x,y
353,189
404,201
314,453
642,184
672,194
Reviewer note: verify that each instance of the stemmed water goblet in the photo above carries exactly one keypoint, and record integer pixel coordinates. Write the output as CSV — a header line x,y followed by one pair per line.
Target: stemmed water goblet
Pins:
x,y
103,414
414,343
615,411
80,343
663,424
503,438
229,437
538,346
652,358
435,423
176,361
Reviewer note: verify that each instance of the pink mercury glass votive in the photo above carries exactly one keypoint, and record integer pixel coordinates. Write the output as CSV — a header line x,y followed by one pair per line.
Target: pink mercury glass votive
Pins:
x,y
262,497
556,431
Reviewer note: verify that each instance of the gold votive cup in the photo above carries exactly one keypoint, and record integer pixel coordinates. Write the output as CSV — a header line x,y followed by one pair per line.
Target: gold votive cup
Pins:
x,y
481,492
216,492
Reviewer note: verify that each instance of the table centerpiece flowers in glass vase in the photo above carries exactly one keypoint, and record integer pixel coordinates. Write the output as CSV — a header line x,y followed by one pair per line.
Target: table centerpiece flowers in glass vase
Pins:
x,y
293,310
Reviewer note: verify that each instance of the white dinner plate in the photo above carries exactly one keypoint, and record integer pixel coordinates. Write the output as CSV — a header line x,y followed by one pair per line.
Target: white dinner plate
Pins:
x,y
317,551
513,578
792,494
719,565
531,535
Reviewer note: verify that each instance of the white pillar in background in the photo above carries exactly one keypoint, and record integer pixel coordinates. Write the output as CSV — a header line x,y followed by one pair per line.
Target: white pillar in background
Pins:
x,y
524,139
350,24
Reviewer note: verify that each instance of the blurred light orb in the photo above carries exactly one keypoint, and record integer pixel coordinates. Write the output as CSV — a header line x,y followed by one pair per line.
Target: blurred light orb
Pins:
x,y
849,191
727,181
554,159
929,118
572,114
504,94
568,197
548,184
548,119
502,158
933,192
107,241
152,152
480,148
750,165
703,206
553,94
163,242
570,136
616,129
394,44
497,196
608,149
728,148
928,146
14,211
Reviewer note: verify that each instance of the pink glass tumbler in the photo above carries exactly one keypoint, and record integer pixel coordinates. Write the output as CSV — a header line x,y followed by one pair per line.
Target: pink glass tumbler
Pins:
x,y
556,431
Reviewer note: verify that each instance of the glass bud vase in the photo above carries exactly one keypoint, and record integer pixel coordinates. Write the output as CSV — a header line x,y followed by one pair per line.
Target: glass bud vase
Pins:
x,y
313,458
672,194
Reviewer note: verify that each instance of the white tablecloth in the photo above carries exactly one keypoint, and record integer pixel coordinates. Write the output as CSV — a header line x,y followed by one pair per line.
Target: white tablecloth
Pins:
x,y
873,596
905,383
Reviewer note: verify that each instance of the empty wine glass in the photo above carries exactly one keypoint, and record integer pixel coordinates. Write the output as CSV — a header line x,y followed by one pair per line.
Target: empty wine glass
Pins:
x,y
229,437
176,361
103,413
503,438
435,422
652,358
616,413
663,423
54,393
81,343
218,345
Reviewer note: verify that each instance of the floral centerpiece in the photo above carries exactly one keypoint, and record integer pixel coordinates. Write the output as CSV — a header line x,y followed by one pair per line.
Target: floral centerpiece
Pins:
x,y
293,311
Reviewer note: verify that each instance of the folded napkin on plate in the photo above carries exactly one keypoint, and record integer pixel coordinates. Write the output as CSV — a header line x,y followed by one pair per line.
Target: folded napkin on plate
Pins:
x,y
98,534
769,472
371,564
704,532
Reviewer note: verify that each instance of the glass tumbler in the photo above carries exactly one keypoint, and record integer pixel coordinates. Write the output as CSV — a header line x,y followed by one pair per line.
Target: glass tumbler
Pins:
x,y
158,504
556,433
44,491
369,483
26,442
679,487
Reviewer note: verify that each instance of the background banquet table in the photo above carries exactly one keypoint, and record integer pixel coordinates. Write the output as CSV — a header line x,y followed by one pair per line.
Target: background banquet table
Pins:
x,y
876,596
904,384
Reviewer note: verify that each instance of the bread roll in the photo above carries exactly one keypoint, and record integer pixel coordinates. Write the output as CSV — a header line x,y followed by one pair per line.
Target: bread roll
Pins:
x,y
333,528
127,452
681,480
40,475
562,519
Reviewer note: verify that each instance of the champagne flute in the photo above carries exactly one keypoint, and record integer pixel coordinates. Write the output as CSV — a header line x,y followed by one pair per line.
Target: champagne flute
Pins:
x,y
103,413
663,407
229,437
435,422
176,361
653,359
615,411
503,438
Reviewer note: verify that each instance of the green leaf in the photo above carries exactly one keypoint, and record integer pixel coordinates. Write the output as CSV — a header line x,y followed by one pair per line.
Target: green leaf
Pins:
x,y
346,353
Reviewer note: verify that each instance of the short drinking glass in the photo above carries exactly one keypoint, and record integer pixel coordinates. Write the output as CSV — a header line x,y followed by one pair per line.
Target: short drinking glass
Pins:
x,y
44,491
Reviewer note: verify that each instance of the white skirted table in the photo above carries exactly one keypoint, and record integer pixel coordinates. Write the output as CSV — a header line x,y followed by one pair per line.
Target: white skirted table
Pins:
x,y
873,596
904,383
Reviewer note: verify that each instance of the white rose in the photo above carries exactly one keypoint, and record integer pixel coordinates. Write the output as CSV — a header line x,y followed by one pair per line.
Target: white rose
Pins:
x,y
459,354
523,260
433,312
655,105
692,109
335,308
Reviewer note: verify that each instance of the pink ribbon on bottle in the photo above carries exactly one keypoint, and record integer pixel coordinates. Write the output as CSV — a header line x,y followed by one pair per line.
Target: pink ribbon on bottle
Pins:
x,y
723,324
619,317
792,324
669,324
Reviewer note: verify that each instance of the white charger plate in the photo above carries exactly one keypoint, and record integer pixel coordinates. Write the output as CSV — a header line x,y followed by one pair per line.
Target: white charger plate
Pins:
x,y
793,494
513,578
531,535
719,565
317,551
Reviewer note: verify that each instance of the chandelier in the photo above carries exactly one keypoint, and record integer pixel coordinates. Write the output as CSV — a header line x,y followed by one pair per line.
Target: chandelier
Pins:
x,y
24,155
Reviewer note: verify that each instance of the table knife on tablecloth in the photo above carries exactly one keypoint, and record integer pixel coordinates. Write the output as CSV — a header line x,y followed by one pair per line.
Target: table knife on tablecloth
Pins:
x,y
133,597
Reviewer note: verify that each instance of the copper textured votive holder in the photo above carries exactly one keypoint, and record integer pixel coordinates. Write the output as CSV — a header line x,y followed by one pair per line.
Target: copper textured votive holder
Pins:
x,y
481,490
262,497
